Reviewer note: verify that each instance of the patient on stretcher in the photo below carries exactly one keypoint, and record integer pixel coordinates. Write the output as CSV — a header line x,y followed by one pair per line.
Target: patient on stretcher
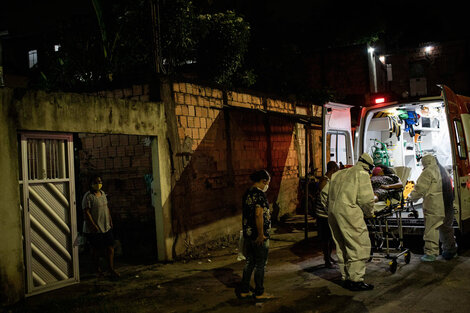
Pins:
x,y
386,185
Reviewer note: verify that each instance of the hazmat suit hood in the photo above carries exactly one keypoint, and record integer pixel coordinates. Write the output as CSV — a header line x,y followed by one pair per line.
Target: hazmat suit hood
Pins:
x,y
365,160
428,160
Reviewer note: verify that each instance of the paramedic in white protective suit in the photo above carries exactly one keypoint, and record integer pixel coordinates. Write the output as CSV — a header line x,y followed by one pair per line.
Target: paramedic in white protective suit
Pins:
x,y
350,199
434,185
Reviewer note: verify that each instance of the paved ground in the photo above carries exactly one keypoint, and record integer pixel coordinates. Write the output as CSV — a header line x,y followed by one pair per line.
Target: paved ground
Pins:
x,y
295,274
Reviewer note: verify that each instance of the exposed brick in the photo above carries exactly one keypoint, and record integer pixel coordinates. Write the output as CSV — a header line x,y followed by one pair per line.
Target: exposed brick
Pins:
x,y
111,151
191,110
187,99
181,133
130,150
202,133
118,93
137,90
123,140
125,162
133,140
183,121
127,93
184,110
109,163
189,88
197,122
190,121
179,98
120,151
178,110
96,141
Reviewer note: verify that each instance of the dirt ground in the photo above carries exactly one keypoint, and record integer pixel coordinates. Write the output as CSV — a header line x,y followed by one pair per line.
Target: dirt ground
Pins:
x,y
295,275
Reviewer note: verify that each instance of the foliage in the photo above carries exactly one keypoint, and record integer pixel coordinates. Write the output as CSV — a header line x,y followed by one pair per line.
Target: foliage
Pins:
x,y
178,34
113,46
223,43
108,46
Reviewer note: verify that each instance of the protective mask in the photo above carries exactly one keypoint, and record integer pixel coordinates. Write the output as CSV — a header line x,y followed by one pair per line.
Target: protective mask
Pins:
x,y
96,186
265,188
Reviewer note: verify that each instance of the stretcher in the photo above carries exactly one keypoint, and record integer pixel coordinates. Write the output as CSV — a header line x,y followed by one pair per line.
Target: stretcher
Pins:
x,y
387,238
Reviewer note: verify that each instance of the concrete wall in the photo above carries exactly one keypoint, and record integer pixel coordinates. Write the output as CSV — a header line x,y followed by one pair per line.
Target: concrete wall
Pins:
x,y
11,247
71,113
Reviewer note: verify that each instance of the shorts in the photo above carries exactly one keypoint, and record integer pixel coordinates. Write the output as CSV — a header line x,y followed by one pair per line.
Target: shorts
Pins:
x,y
101,240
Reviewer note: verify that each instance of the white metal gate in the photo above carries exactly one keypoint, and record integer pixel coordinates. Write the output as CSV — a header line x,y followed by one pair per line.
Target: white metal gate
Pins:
x,y
48,202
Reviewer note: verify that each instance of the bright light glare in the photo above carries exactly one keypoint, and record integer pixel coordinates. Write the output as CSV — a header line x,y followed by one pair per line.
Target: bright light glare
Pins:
x,y
379,100
428,49
382,59
371,50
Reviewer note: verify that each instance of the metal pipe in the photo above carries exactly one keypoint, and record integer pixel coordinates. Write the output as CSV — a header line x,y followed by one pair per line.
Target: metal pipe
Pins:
x,y
42,160
62,162
306,182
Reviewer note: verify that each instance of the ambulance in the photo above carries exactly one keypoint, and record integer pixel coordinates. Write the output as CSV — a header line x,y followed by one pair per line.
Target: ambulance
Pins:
x,y
398,133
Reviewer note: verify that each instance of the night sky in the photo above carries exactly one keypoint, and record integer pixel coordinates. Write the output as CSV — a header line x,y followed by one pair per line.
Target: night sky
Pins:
x,y
301,22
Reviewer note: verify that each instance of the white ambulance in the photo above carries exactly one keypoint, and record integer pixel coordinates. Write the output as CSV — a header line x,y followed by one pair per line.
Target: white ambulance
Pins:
x,y
398,133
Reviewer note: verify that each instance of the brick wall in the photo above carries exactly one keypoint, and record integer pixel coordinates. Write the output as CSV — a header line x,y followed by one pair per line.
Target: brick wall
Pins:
x,y
124,161
221,148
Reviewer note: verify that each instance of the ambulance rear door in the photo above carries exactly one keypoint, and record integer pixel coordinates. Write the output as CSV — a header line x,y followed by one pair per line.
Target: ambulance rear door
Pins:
x,y
458,119
337,137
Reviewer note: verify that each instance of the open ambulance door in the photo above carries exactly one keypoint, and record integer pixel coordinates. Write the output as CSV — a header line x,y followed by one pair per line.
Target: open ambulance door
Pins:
x,y
337,142
458,118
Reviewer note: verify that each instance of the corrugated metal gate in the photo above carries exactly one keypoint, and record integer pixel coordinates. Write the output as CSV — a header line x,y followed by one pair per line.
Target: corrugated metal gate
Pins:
x,y
48,202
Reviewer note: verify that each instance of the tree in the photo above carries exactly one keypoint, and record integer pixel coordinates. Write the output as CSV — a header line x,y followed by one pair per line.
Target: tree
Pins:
x,y
113,46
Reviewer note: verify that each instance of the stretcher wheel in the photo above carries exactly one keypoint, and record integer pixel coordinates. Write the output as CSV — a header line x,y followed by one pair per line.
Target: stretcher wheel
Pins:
x,y
393,266
407,257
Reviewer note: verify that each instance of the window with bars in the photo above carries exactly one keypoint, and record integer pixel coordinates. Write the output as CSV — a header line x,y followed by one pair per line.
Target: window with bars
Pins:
x,y
47,159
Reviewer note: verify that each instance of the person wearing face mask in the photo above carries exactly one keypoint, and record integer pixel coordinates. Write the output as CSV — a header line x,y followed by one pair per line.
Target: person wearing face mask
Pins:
x,y
256,223
98,225
350,199
435,187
